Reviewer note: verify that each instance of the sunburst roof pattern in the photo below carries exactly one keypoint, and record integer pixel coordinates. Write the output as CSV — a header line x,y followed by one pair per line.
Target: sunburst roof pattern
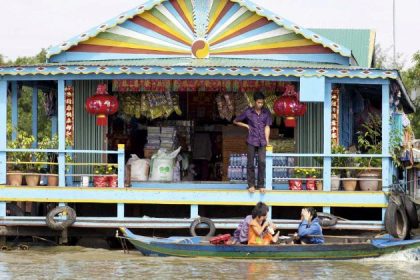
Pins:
x,y
198,29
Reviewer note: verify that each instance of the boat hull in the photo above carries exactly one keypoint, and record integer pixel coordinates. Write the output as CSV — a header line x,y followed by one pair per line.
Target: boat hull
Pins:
x,y
155,247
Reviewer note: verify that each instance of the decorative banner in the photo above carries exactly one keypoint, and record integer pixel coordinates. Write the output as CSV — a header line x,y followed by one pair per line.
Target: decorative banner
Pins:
x,y
335,101
69,105
265,87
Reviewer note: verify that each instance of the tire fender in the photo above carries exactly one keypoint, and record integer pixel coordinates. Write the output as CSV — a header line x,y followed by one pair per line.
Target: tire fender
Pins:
x,y
411,211
62,224
327,219
396,221
202,220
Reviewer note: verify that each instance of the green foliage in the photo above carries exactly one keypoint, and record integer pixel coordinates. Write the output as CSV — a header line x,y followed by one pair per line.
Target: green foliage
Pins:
x,y
50,143
104,169
411,79
306,172
24,141
369,141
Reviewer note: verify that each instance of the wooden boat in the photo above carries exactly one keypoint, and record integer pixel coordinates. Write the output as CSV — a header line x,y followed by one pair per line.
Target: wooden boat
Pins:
x,y
199,247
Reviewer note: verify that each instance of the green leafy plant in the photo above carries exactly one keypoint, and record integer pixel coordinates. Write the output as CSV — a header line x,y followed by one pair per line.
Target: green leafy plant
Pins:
x,y
104,169
306,172
52,158
369,141
23,141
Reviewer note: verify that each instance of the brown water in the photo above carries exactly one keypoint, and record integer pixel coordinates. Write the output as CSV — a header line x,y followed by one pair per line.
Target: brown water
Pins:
x,y
83,263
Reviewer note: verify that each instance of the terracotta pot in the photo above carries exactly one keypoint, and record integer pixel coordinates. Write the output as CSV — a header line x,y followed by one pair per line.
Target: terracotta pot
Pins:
x,y
295,185
310,184
52,180
335,182
14,179
100,182
113,181
32,180
349,185
319,185
369,182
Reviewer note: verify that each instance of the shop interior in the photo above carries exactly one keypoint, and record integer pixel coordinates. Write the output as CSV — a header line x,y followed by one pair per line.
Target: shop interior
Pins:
x,y
195,115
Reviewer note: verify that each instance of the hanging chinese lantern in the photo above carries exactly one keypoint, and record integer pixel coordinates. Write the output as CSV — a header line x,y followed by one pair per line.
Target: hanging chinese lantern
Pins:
x,y
102,104
288,106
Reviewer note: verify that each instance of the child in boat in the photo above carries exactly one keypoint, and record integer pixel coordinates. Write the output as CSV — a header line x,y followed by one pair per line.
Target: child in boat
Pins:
x,y
240,236
309,230
259,232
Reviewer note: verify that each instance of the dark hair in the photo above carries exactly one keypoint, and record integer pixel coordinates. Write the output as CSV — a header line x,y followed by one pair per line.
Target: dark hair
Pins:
x,y
312,211
259,95
261,209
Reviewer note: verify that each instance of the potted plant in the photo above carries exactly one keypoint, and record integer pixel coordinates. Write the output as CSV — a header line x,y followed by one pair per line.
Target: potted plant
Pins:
x,y
52,158
369,141
337,162
318,183
111,171
296,184
99,180
304,173
16,168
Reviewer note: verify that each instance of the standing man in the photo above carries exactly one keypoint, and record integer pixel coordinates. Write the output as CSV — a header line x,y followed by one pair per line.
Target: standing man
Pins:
x,y
258,120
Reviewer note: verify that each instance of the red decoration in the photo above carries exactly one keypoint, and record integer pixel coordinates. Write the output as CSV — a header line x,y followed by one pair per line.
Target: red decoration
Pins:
x,y
69,102
288,106
102,104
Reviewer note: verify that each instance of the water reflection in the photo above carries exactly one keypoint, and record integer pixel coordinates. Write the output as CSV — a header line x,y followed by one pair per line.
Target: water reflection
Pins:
x,y
82,263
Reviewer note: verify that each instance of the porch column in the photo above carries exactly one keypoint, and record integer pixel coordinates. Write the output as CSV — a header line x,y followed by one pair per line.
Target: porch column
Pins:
x,y
69,179
61,116
327,138
35,114
3,140
121,177
14,109
386,160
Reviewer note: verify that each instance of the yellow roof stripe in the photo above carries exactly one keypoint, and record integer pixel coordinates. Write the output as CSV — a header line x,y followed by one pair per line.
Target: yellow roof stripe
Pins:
x,y
186,11
293,43
112,43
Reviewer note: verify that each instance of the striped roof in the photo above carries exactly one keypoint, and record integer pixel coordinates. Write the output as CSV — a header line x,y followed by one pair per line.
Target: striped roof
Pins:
x,y
198,29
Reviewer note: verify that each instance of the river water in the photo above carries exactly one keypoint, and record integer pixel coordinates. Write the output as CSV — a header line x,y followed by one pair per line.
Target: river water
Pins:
x,y
83,263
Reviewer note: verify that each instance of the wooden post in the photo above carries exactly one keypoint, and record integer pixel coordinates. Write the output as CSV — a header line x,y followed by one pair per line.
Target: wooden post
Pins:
x,y
69,179
3,140
61,117
35,115
386,161
269,168
121,174
193,211
14,109
327,141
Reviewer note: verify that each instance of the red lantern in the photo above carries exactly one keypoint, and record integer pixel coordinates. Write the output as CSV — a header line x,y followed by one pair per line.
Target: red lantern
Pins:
x,y
288,106
102,104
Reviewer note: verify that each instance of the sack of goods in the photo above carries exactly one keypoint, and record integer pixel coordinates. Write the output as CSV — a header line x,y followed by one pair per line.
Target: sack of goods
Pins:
x,y
162,165
139,168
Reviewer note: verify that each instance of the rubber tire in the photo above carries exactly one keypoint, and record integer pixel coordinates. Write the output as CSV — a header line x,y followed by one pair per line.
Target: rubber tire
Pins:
x,y
411,210
202,220
396,221
16,210
52,224
327,219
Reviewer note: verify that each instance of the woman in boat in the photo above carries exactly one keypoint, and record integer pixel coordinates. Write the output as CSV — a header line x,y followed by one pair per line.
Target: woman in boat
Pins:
x,y
259,232
240,236
309,230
